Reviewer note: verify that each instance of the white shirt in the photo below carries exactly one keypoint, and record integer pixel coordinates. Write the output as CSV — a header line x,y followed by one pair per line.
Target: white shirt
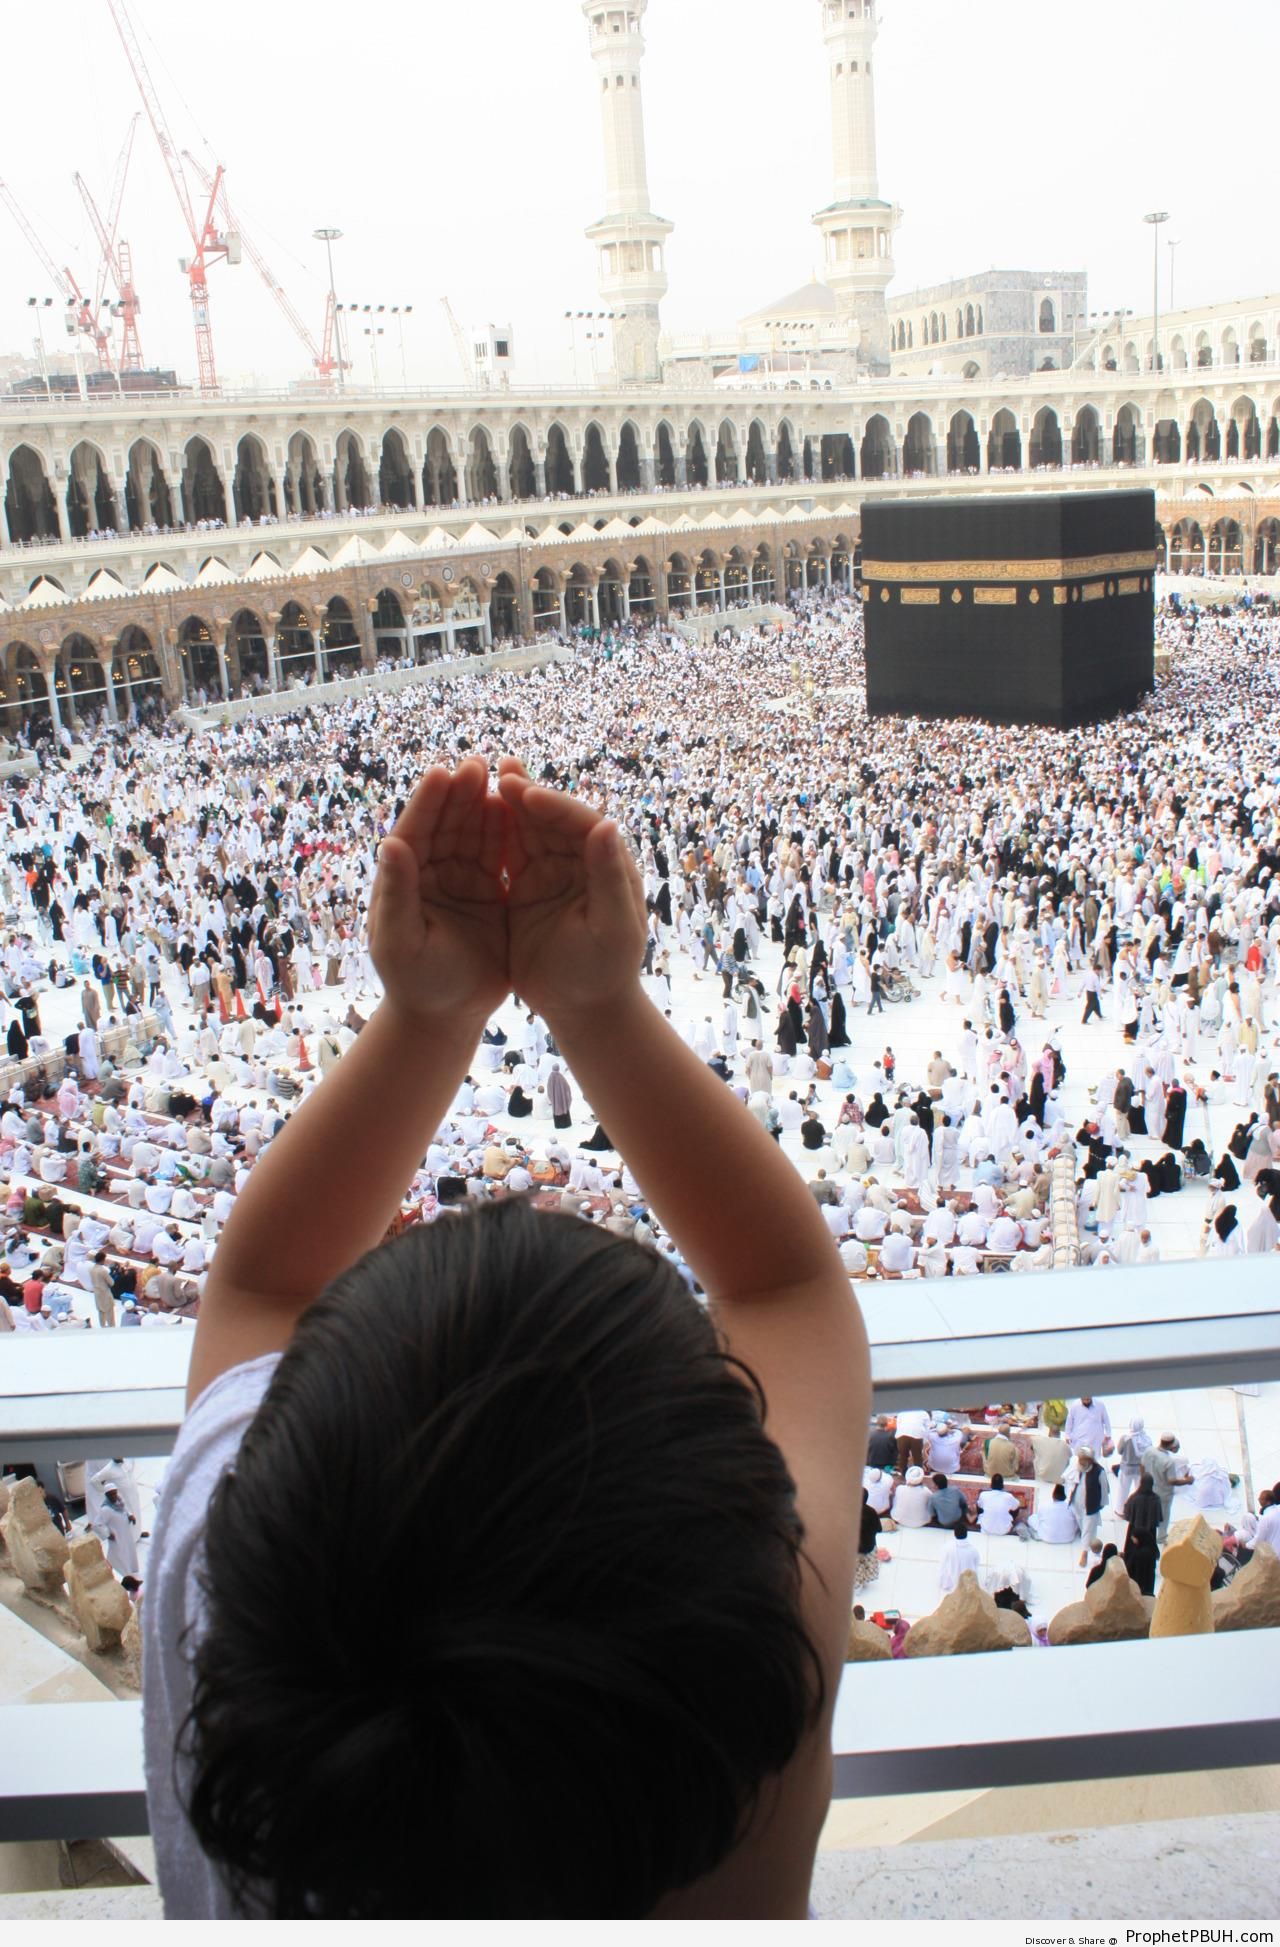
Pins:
x,y
997,1508
1056,1522
896,1253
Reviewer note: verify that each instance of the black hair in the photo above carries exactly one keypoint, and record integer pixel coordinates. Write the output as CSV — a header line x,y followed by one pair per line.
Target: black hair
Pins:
x,y
961,1529
502,1592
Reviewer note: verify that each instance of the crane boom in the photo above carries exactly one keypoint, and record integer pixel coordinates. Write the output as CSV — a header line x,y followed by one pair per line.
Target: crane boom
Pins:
x,y
459,344
324,362
81,315
155,114
62,279
207,243
118,261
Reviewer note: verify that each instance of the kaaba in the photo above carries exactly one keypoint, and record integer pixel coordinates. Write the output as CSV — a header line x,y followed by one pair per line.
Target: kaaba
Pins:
x,y
1027,608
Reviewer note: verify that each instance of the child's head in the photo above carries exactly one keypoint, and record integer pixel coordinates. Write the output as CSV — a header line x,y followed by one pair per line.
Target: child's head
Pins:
x,y
502,1591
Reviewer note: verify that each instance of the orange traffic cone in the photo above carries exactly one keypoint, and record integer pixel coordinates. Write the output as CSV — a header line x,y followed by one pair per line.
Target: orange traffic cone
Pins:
x,y
304,1060
240,1013
279,1010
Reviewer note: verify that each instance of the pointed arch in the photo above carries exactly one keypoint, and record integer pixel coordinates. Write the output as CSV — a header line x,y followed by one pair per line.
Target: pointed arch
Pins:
x,y
253,491
148,502
395,471
560,475
628,473
91,501
522,475
439,471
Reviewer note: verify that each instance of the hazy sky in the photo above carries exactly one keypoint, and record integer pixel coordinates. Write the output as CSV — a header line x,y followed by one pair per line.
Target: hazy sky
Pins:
x,y
457,146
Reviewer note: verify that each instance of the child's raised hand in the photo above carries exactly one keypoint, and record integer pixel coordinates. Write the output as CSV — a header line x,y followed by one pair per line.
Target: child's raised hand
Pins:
x,y
437,919
576,913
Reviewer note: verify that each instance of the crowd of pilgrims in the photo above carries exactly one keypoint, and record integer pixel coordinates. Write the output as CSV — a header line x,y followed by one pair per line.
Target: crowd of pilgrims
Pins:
x,y
207,891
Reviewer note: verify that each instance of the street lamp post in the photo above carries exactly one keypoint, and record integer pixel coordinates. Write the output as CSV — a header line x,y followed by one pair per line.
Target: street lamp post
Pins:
x,y
328,237
1173,246
39,306
1155,218
373,333
400,312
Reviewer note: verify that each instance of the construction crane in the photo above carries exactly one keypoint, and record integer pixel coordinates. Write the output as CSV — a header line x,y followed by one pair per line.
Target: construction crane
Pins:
x,y
324,361
460,344
207,242
81,315
116,260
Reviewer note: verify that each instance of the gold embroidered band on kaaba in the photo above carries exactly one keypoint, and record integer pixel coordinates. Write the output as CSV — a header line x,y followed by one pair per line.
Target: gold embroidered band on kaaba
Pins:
x,y
1055,569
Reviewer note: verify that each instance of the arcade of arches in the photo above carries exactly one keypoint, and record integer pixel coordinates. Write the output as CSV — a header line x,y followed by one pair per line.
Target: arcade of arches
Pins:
x,y
89,488
237,639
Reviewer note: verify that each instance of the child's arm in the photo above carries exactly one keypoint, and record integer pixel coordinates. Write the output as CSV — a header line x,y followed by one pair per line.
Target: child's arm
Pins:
x,y
329,1185
735,1205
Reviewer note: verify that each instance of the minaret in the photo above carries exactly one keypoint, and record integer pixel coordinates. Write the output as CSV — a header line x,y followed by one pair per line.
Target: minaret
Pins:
x,y
629,238
857,227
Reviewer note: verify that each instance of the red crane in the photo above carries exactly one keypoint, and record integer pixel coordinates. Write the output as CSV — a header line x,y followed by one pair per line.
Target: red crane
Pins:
x,y
207,242
81,315
324,361
116,260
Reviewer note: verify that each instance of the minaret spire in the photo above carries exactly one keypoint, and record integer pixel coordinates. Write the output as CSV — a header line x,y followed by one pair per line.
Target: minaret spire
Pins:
x,y
630,240
857,226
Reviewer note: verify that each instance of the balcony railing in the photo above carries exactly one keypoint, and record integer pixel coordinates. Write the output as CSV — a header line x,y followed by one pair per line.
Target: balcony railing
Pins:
x,y
1130,1709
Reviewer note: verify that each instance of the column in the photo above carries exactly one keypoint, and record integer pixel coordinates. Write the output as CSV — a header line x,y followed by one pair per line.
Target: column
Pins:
x,y
540,479
771,468
626,598
50,677
450,644
60,509
724,598
113,708
273,665
682,471
222,673
338,475
564,619
486,625
283,505
1206,552
661,592
317,644
647,472
595,606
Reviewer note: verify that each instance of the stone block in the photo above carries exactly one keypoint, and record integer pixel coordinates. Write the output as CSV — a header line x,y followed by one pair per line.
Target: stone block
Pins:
x,y
1112,1611
868,1643
1015,1628
37,1552
1184,1606
1252,1599
99,1604
964,1622
131,1645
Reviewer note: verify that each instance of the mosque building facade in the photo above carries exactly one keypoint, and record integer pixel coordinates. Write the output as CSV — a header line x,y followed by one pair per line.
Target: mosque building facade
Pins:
x,y
187,544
